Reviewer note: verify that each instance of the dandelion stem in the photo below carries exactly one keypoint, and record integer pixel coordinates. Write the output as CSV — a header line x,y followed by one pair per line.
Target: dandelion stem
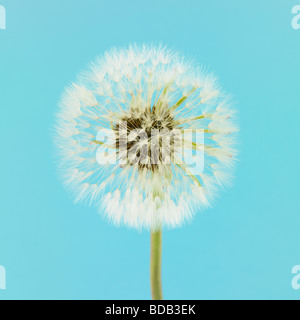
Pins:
x,y
155,265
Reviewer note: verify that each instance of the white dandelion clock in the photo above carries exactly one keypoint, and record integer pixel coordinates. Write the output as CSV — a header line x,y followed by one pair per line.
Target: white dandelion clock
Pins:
x,y
147,138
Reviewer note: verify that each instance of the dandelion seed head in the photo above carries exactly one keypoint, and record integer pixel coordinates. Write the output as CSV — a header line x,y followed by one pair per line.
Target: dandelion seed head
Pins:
x,y
142,97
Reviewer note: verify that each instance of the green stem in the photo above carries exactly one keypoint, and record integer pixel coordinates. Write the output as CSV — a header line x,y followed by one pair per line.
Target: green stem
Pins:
x,y
155,265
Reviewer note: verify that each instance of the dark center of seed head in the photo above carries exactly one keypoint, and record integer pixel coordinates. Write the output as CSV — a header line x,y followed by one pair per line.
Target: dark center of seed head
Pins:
x,y
145,123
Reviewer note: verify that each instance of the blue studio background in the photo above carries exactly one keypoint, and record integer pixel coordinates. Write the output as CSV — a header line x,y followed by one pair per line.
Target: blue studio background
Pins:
x,y
242,248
